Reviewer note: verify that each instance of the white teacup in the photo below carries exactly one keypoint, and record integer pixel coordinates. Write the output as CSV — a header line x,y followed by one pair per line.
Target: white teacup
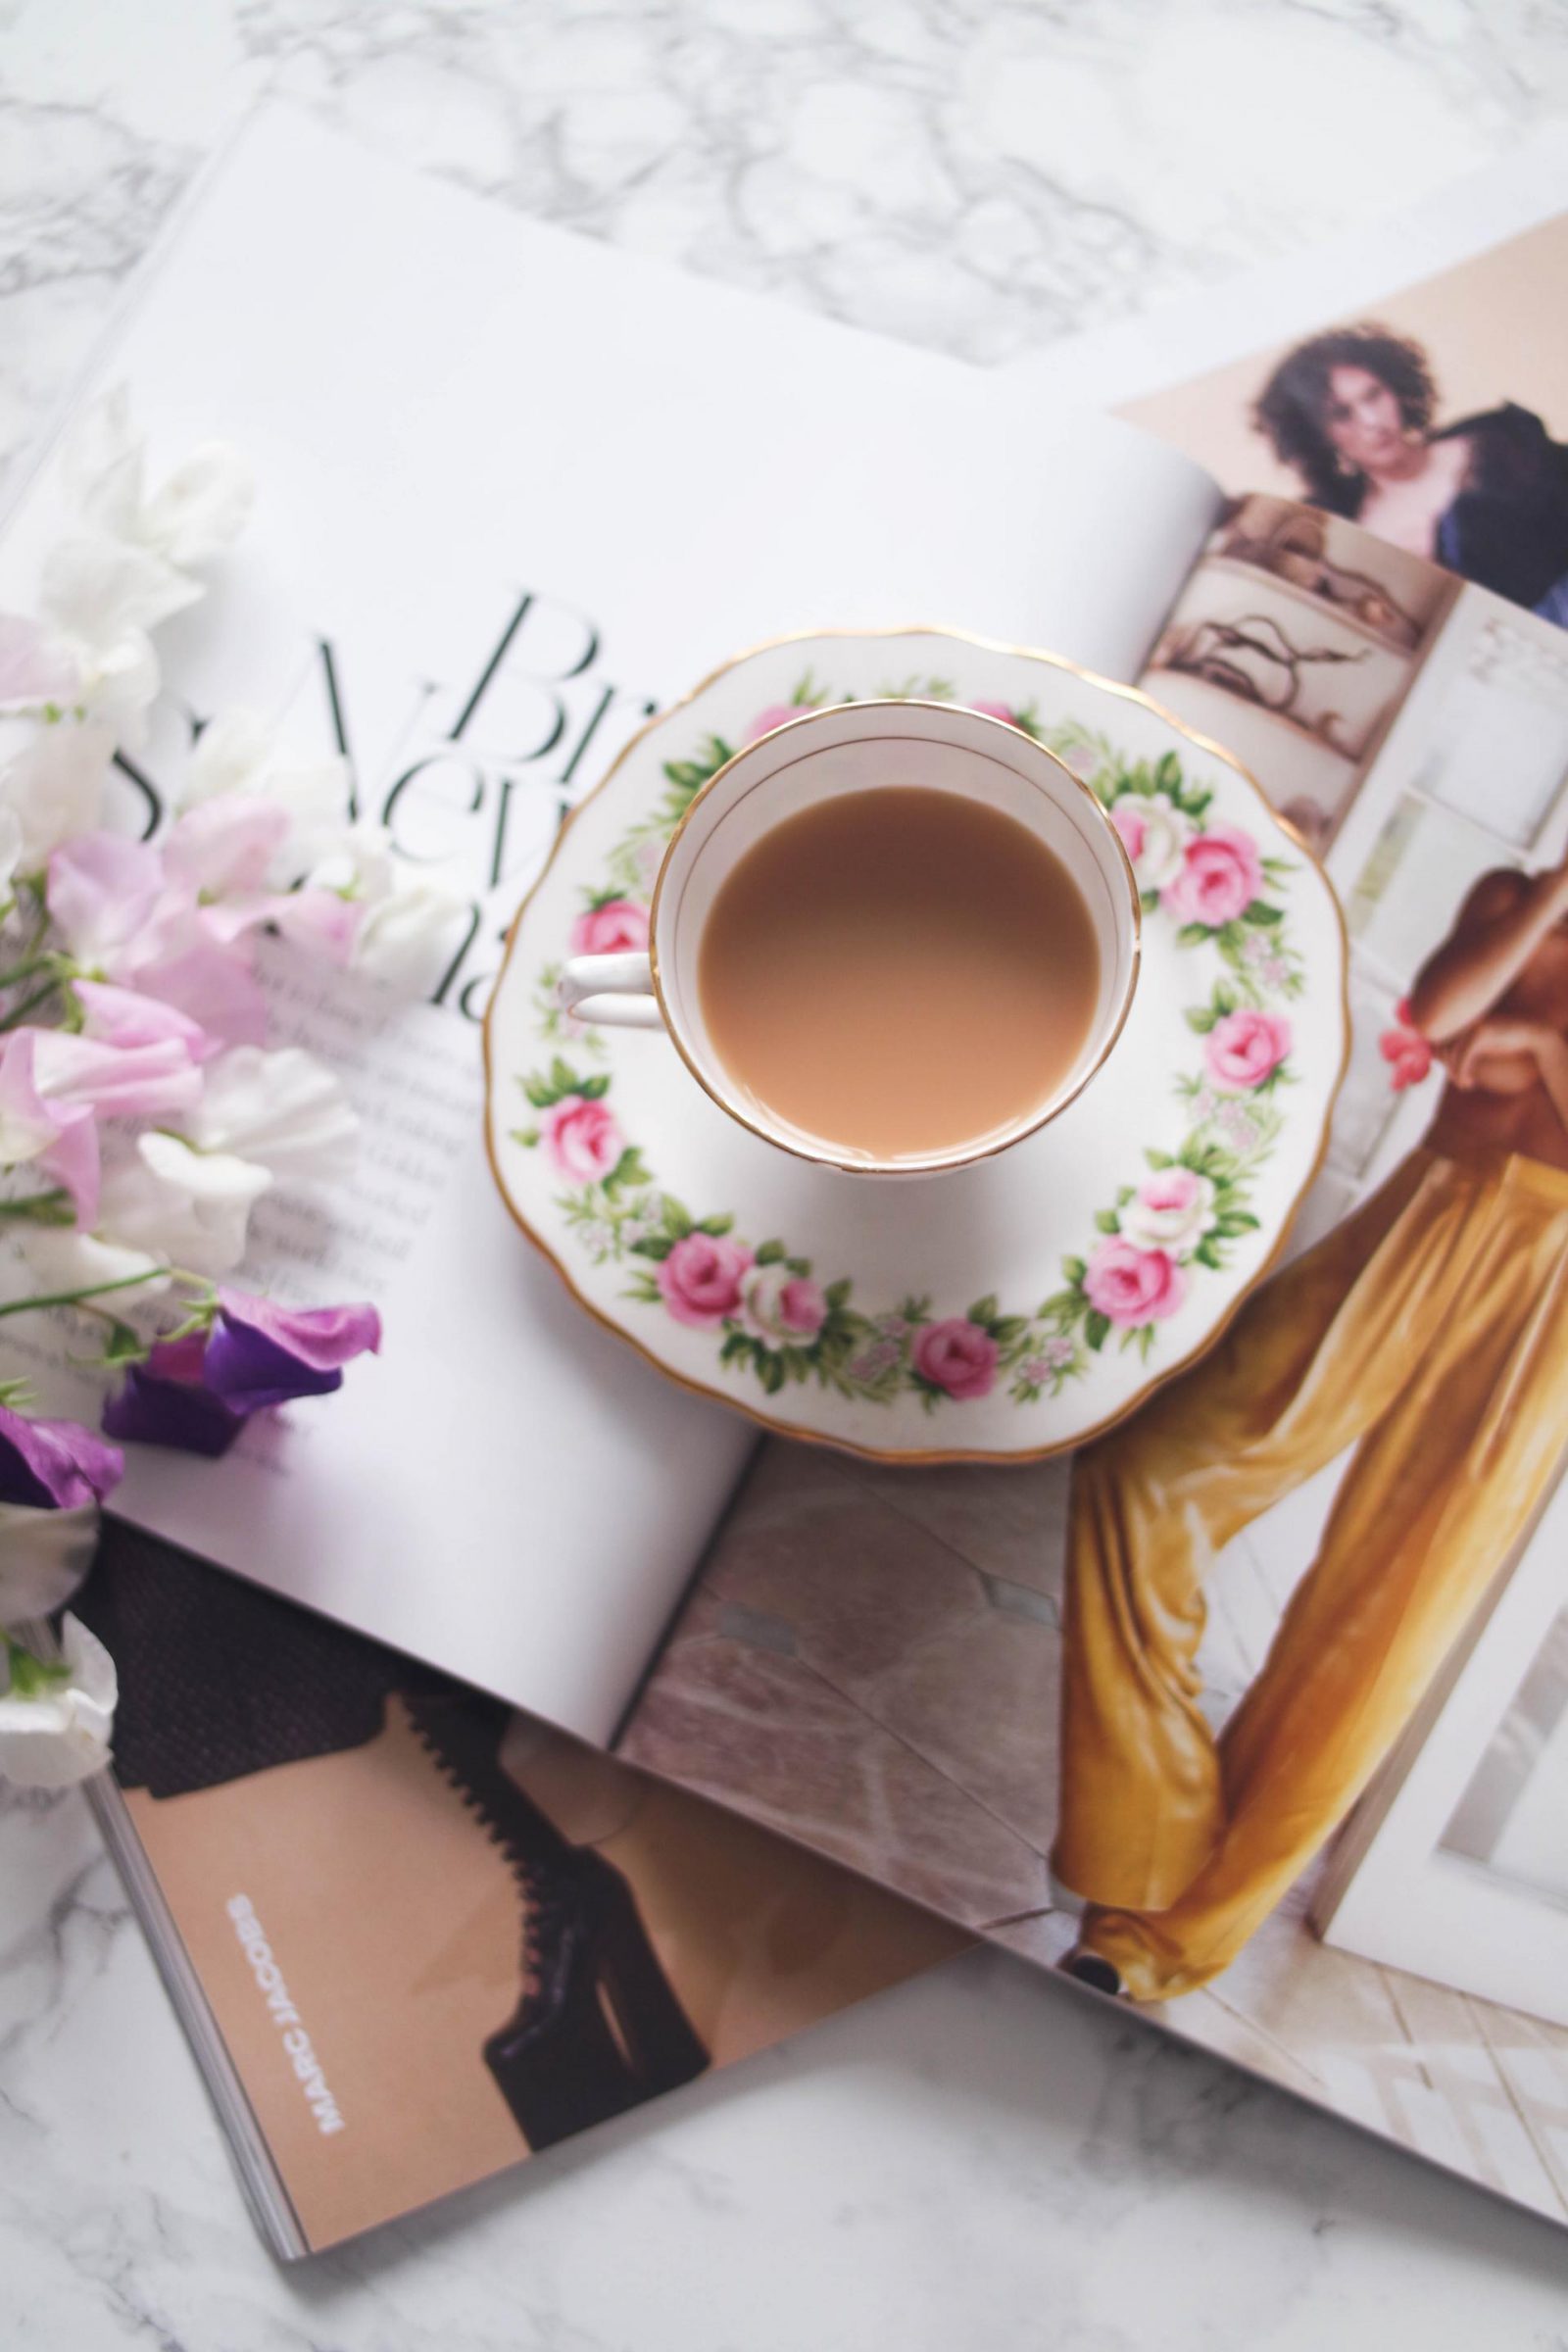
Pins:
x,y
858,748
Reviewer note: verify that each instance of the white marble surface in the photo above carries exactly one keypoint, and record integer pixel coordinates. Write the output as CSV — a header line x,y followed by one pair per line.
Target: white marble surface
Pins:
x,y
974,2160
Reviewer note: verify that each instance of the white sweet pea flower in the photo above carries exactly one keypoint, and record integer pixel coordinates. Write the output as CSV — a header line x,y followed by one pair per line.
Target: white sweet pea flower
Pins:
x,y
62,1257
55,1722
44,1555
53,786
198,509
284,1110
237,754
170,1204
407,939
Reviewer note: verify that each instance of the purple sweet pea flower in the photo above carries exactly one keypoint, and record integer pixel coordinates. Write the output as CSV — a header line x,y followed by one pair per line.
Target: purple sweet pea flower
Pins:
x,y
54,1465
197,1394
261,1354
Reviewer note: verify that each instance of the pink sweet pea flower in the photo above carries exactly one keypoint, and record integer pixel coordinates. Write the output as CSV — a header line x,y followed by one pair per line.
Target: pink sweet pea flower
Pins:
x,y
582,1137
1245,1048
700,1278
1130,1285
102,891
956,1356
1221,874
609,930
122,1016
225,847
53,1087
209,985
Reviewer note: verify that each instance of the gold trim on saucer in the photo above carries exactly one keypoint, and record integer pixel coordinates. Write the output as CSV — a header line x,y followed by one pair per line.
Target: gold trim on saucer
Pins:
x,y
771,1423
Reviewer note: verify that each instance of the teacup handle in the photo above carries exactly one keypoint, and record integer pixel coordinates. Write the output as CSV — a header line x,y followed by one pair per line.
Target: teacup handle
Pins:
x,y
612,992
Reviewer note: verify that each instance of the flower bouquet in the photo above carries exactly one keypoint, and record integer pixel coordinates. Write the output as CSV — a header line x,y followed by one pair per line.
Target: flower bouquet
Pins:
x,y
142,1111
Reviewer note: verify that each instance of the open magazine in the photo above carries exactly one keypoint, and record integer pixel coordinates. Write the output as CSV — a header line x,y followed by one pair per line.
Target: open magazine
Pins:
x,y
519,494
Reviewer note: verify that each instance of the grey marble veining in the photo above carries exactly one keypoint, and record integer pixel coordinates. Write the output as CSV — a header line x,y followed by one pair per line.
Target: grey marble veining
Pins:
x,y
976,2159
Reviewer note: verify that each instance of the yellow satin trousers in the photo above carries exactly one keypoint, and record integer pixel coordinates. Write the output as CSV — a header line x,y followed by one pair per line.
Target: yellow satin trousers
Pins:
x,y
1430,1331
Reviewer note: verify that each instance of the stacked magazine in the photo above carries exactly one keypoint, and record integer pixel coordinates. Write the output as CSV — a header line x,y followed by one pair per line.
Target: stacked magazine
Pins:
x,y
625,1746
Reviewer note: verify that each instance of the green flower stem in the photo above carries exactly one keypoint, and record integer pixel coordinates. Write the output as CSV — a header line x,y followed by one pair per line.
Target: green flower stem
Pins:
x,y
96,1289
41,1208
40,996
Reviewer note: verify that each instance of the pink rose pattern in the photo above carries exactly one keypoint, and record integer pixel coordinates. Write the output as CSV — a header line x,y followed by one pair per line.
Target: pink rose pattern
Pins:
x,y
1221,874
610,928
701,1279
956,1356
582,1139
1130,1285
1245,1048
709,1281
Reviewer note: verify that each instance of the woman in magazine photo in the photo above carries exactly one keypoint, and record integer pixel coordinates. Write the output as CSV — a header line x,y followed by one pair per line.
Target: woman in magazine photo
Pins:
x,y
1350,412
1429,1331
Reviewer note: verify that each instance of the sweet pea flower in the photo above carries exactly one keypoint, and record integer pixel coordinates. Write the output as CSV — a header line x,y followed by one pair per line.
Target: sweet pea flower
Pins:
x,y
582,1137
53,1466
408,939
1172,1210
52,786
197,510
1245,1048
56,1721
701,1279
45,1554
166,1204
1130,1285
36,671
778,1306
1221,874
122,1016
606,930
956,1356
102,892
236,755
225,847
284,1111
53,1085
197,1392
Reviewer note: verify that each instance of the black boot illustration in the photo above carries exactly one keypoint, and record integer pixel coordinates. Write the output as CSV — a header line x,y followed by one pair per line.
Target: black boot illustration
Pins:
x,y
597,2027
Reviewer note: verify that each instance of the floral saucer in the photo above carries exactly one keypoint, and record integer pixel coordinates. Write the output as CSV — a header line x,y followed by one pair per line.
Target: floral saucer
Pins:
x,y
1009,1308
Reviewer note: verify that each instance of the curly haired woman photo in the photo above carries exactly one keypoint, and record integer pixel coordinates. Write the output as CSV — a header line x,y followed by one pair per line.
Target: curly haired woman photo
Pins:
x,y
1350,412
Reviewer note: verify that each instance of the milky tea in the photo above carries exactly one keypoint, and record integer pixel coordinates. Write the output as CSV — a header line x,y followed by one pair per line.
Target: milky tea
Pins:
x,y
899,972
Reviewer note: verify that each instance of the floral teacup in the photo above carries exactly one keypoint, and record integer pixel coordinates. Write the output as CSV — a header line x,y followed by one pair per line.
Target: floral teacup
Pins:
x,y
851,748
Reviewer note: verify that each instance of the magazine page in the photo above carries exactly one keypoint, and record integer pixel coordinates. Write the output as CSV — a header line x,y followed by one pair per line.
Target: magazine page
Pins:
x,y
416,1938
1118,1708
596,479
1436,418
